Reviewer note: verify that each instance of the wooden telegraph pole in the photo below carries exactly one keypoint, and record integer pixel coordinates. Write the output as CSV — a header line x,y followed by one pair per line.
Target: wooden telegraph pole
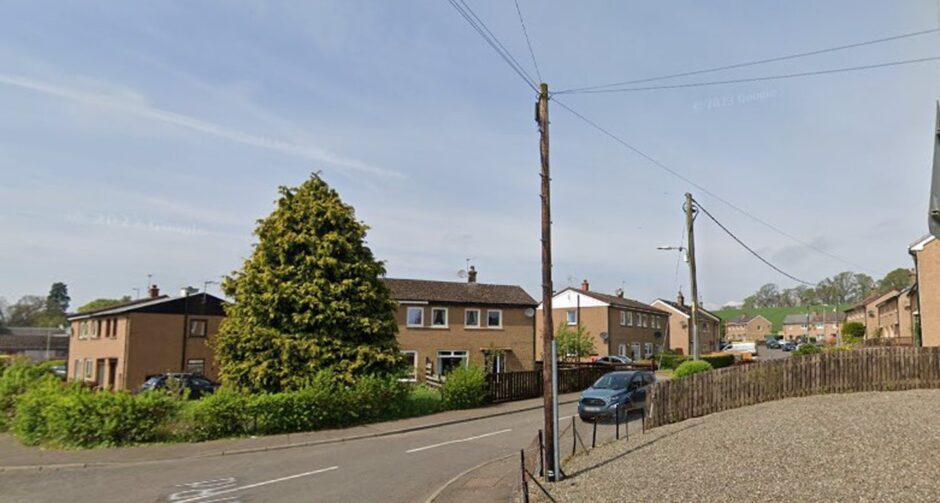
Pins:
x,y
690,230
541,116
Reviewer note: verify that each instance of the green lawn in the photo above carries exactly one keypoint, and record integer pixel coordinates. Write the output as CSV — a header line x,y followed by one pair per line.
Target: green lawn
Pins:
x,y
774,314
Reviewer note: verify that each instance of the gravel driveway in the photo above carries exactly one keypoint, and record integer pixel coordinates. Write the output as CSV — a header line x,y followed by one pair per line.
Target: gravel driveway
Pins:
x,y
851,447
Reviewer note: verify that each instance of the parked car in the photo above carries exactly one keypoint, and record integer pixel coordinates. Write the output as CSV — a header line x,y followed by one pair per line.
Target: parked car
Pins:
x,y
613,360
773,344
60,371
788,346
197,385
623,389
741,347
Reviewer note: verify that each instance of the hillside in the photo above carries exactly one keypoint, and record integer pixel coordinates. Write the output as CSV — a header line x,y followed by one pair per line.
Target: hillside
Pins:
x,y
774,314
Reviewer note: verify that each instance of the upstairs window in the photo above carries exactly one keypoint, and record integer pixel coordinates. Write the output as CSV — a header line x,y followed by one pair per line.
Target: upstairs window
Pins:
x,y
439,317
629,318
415,317
197,328
623,318
472,318
571,317
494,318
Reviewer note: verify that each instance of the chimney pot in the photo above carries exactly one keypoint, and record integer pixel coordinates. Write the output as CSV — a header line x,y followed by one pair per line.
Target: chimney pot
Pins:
x,y
472,275
680,298
619,292
154,291
585,286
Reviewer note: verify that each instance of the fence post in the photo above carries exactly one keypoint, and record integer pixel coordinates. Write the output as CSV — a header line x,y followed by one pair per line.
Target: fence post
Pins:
x,y
525,483
574,436
541,456
594,434
618,422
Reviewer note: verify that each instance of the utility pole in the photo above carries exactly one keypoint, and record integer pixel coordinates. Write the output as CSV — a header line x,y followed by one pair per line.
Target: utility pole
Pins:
x,y
690,231
548,327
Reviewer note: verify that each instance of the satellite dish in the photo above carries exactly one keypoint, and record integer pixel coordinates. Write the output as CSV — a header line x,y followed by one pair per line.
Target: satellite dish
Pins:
x,y
461,273
604,336
529,312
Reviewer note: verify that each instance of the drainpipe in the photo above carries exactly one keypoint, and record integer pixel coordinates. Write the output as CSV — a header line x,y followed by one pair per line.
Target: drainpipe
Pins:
x,y
185,327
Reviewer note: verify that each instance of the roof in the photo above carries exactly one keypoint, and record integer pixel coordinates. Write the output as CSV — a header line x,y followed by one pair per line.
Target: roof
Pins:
x,y
799,319
43,331
14,343
745,319
687,310
616,300
196,304
921,243
458,292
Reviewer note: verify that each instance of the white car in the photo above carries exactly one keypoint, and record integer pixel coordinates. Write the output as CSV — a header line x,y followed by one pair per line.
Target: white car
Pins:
x,y
613,360
741,347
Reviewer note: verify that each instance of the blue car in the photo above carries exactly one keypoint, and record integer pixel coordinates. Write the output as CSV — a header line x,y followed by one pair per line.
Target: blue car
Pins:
x,y
626,390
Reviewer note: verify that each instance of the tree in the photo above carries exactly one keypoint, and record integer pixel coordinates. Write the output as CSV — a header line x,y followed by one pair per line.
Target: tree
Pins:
x,y
27,312
864,285
573,342
3,311
309,299
898,279
103,303
853,331
58,298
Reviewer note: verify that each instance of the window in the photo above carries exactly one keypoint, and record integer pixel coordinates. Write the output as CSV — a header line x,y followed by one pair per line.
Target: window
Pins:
x,y
94,328
439,317
495,362
196,366
622,350
629,318
411,360
572,317
197,328
648,350
471,318
87,369
623,318
644,320
77,370
415,317
494,318
635,347
448,360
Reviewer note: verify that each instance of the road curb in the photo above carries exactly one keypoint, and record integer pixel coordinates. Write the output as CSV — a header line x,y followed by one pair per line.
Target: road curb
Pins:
x,y
463,474
252,450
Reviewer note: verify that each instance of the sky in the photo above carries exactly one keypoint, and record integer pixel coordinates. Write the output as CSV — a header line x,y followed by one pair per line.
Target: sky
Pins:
x,y
145,138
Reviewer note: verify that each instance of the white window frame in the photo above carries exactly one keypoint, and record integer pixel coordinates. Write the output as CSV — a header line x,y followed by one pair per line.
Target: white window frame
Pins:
x,y
488,311
414,371
94,328
468,311
77,371
647,350
408,312
88,369
452,353
622,350
646,320
190,361
635,350
623,318
446,317
629,318
571,317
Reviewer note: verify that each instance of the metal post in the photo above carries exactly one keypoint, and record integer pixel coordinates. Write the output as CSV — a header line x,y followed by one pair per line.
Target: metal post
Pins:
x,y
556,462
525,483
541,456
618,422
594,434
574,436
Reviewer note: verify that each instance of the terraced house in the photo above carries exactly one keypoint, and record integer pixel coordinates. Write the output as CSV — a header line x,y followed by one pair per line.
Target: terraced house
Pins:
x,y
444,324
680,326
749,328
823,326
616,325
119,346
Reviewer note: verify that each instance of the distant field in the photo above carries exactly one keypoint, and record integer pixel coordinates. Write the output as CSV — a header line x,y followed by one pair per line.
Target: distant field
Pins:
x,y
774,314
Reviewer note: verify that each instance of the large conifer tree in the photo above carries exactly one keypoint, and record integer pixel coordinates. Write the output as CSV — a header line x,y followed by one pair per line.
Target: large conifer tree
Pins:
x,y
309,298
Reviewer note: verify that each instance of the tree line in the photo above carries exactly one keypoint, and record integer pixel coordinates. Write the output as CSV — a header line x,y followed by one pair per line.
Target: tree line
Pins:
x,y
843,288
49,311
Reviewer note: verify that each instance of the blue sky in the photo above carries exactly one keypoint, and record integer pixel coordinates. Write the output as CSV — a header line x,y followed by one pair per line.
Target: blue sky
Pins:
x,y
147,138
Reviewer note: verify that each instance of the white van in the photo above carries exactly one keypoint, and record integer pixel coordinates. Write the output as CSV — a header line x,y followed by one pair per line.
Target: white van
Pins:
x,y
741,347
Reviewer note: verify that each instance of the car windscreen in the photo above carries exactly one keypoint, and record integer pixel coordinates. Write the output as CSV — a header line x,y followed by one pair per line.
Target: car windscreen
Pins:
x,y
612,381
153,382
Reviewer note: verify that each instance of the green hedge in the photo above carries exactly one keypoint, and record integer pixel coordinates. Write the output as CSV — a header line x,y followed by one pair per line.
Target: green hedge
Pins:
x,y
719,360
691,367
669,360
16,379
464,388
807,349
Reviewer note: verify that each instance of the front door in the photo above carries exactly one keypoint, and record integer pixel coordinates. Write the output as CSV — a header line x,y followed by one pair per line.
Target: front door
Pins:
x,y
112,372
99,373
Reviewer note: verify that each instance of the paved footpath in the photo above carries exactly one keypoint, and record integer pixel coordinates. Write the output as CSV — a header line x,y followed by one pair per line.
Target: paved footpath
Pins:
x,y
408,460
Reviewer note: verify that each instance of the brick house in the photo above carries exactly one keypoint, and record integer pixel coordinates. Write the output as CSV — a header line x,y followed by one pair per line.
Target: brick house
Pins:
x,y
896,315
442,324
119,346
823,326
866,312
926,304
751,328
680,332
617,325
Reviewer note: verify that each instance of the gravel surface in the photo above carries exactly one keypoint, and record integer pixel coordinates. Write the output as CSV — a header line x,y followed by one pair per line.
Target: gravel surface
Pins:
x,y
851,447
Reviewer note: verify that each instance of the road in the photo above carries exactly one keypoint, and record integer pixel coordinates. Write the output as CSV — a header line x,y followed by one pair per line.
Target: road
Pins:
x,y
406,467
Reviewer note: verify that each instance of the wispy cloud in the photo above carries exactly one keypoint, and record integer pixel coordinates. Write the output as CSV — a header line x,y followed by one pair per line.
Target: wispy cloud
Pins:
x,y
135,104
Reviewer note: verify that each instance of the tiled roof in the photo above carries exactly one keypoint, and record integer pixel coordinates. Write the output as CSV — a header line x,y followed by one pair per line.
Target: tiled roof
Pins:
x,y
198,303
12,343
43,331
458,292
618,301
799,319
743,319
687,309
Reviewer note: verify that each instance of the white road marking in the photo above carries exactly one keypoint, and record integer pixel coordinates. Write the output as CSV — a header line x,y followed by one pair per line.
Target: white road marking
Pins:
x,y
468,439
257,484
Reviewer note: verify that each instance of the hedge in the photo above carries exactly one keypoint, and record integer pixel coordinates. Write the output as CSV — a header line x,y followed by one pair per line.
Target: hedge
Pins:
x,y
691,367
464,388
719,360
16,379
669,360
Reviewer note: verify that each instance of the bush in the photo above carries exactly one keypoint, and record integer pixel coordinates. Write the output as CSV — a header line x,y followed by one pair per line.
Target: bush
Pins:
x,y
719,360
17,378
692,367
807,349
669,360
843,347
464,388
853,332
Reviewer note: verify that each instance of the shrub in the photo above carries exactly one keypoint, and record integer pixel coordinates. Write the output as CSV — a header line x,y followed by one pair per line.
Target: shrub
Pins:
x,y
669,360
843,347
422,401
691,367
225,413
807,349
17,378
853,332
719,360
464,388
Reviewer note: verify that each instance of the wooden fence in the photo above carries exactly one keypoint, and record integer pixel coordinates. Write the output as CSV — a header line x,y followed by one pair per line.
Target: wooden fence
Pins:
x,y
868,369
888,342
509,386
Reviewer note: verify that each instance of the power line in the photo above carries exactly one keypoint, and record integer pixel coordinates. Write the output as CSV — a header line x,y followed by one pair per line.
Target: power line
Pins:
x,y
528,42
703,189
753,63
480,27
764,78
748,248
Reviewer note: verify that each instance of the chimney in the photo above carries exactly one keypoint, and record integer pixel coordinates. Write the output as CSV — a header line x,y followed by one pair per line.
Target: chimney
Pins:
x,y
472,275
154,291
585,286
619,292
680,298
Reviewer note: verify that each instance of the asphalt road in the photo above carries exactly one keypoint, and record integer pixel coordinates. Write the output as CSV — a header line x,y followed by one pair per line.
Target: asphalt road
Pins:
x,y
407,467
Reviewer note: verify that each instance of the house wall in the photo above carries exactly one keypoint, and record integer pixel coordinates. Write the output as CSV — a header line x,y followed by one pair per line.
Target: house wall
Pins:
x,y
754,330
155,346
595,320
627,336
100,347
928,285
516,337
